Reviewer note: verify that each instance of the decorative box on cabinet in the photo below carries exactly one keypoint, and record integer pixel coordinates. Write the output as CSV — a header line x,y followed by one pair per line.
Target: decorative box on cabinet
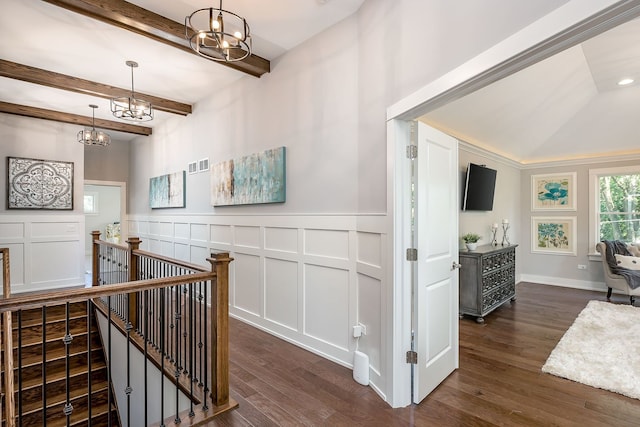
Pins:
x,y
487,279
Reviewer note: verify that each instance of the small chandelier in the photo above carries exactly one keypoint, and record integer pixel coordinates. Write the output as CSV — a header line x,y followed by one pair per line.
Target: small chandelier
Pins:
x,y
217,34
132,108
93,136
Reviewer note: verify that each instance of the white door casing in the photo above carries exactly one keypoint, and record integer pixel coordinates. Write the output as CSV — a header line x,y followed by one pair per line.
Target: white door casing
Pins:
x,y
436,283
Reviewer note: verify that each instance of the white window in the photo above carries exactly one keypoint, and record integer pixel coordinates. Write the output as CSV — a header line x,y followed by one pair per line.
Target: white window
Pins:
x,y
91,202
614,208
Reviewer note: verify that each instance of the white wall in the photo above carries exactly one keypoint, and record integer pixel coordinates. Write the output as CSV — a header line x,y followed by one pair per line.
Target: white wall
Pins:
x,y
152,398
562,270
326,102
506,201
108,212
46,247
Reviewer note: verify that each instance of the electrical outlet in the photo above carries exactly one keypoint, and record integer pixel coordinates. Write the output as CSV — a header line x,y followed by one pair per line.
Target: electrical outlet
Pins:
x,y
357,331
364,328
582,267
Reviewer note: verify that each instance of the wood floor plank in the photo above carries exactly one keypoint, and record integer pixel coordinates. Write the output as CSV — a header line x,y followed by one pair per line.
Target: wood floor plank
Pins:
x,y
499,383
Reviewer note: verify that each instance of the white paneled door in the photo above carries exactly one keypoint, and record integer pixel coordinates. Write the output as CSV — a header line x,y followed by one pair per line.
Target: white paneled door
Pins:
x,y
435,295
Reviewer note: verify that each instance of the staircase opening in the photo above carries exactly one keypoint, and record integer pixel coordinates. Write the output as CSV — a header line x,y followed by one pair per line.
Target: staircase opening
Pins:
x,y
133,349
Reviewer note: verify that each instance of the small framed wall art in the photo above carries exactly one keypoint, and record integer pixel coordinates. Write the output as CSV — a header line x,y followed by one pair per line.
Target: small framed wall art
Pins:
x,y
553,192
553,235
168,191
39,184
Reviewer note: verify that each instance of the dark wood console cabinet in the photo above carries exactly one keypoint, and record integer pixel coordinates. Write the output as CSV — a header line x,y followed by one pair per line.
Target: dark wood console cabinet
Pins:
x,y
487,279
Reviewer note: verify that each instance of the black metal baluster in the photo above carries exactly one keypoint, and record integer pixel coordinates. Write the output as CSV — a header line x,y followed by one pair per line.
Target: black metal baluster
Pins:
x,y
109,422
170,353
191,352
200,326
146,358
20,368
128,389
206,351
185,334
44,366
68,407
162,314
89,357
177,349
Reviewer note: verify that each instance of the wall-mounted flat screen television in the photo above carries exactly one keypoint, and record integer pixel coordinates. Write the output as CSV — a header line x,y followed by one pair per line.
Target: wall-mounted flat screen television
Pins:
x,y
479,188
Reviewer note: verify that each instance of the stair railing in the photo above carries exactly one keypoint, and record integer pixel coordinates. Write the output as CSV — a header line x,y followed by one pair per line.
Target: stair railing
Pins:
x,y
162,307
7,341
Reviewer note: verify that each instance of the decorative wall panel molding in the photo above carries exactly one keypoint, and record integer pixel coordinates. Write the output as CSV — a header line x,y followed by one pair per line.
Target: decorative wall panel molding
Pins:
x,y
46,251
304,278
39,184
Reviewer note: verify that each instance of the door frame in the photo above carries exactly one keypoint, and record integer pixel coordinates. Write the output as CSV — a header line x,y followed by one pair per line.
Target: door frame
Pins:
x,y
123,204
570,24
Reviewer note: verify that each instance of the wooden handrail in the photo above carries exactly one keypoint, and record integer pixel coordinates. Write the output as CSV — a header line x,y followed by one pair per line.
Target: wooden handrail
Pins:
x,y
176,262
21,302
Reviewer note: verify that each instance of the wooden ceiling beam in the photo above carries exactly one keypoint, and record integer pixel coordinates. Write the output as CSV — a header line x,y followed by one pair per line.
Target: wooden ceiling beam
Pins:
x,y
39,76
75,119
141,21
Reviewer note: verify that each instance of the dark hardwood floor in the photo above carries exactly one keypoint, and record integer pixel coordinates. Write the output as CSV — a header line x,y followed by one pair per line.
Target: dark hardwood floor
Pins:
x,y
499,381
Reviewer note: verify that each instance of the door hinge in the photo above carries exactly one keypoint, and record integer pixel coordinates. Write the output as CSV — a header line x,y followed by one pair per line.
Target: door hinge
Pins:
x,y
412,254
412,357
412,151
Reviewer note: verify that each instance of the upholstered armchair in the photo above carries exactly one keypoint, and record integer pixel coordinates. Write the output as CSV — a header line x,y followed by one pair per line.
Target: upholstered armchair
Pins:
x,y
615,281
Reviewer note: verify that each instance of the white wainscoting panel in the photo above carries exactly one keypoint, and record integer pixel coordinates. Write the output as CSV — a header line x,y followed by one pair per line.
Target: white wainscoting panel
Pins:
x,y
199,255
326,295
327,243
247,284
11,230
370,290
248,237
221,234
199,233
370,248
45,251
182,231
166,229
306,279
182,252
281,292
53,260
281,239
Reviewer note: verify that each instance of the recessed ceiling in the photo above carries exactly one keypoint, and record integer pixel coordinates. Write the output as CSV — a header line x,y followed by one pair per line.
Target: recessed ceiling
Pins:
x,y
568,106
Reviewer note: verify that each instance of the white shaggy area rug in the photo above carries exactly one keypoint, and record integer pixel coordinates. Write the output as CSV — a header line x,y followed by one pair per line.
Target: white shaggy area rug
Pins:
x,y
601,349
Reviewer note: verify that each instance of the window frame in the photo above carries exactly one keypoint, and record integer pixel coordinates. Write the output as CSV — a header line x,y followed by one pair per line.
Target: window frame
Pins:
x,y
594,200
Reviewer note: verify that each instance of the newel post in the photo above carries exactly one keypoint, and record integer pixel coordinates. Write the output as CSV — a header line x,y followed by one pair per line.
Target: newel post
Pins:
x,y
134,245
220,328
95,261
6,343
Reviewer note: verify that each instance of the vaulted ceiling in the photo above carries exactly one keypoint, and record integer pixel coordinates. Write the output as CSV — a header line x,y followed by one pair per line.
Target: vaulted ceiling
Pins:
x,y
568,106
59,56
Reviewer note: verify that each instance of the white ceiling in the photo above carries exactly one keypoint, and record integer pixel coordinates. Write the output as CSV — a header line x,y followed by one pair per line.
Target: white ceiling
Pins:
x,y
568,106
41,35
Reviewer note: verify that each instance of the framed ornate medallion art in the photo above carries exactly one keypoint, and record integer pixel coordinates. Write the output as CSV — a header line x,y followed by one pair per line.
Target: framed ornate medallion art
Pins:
x,y
39,184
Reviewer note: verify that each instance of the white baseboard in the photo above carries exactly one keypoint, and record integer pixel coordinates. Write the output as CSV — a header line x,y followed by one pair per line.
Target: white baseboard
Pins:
x,y
566,283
